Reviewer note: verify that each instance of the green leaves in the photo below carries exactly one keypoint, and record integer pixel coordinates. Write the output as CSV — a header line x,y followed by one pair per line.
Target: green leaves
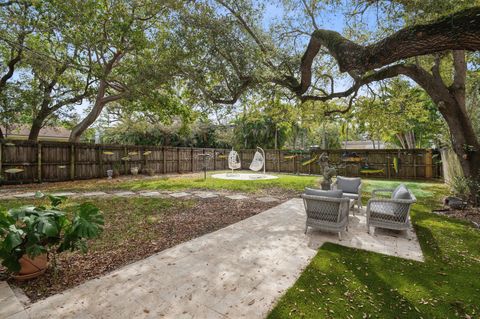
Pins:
x,y
87,223
13,238
35,230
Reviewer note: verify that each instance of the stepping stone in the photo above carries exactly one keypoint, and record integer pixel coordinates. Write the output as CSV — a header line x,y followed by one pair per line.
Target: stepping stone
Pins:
x,y
63,194
180,194
236,197
124,194
91,194
152,194
206,195
24,195
267,199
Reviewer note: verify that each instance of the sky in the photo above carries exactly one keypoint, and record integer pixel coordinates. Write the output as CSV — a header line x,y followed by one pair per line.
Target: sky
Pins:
x,y
330,19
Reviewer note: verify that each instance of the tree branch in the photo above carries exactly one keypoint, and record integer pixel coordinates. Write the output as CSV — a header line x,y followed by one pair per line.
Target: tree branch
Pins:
x,y
459,31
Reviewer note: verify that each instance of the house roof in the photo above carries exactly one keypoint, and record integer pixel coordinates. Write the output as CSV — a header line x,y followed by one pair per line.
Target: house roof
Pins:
x,y
362,144
47,131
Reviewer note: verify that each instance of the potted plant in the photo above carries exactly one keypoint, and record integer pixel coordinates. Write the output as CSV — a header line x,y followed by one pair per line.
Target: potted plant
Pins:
x,y
31,235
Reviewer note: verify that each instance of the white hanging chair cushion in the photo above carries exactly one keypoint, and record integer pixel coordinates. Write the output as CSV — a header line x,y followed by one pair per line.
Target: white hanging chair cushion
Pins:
x,y
257,162
234,160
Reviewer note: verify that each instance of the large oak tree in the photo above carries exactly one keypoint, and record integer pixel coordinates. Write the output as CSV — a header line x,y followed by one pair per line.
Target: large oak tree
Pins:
x,y
307,73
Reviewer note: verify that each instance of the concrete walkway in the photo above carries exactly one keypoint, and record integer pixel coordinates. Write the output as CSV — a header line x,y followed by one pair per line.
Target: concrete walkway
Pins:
x,y
237,272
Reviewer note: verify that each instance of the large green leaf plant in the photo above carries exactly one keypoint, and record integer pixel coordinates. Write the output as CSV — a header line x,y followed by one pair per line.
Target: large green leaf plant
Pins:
x,y
35,230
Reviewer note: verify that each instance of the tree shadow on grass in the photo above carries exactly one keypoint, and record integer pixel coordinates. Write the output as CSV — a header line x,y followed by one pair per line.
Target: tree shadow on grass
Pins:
x,y
380,296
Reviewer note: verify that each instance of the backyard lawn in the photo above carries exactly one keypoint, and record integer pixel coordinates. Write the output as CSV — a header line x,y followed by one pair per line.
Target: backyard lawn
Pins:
x,y
342,282
179,182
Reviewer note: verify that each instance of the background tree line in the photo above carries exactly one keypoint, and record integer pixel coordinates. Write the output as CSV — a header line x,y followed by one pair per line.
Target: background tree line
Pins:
x,y
221,73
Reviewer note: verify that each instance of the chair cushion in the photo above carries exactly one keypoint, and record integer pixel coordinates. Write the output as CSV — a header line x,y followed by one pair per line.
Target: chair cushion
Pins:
x,y
319,192
401,192
348,184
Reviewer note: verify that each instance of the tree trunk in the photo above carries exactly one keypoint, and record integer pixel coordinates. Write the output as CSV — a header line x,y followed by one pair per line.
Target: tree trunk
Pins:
x,y
464,141
401,140
100,101
409,137
35,129
81,127
95,112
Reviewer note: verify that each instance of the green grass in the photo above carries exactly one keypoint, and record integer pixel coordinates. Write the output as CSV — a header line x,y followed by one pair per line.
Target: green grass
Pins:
x,y
179,182
287,182
343,282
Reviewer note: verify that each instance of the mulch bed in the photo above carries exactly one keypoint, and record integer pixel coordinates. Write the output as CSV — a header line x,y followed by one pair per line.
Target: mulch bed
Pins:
x,y
174,227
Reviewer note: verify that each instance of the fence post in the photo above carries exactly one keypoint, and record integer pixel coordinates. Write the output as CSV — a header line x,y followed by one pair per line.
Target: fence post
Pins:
x,y
310,164
39,162
428,164
144,159
191,159
295,164
414,155
241,159
72,161
1,157
164,161
100,162
214,159
125,153
387,157
178,160
278,161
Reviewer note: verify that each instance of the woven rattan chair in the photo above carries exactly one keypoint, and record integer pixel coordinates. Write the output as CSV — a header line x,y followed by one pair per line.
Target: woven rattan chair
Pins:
x,y
393,212
351,187
326,213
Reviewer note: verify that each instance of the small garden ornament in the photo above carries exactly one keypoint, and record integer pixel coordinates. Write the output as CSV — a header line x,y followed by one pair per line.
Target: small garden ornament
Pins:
x,y
327,172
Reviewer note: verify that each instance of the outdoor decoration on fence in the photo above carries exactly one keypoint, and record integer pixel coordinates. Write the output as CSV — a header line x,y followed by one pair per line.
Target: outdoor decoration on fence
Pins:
x,y
395,164
14,170
310,161
367,170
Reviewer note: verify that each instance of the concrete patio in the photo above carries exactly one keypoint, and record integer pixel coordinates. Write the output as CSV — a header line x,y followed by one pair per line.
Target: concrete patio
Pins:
x,y
237,272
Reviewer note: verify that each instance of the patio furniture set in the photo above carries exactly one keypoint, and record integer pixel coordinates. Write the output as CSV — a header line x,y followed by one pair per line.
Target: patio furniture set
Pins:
x,y
328,210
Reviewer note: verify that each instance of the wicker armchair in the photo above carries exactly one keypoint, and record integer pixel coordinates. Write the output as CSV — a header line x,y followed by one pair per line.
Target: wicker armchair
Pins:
x,y
390,213
326,213
351,187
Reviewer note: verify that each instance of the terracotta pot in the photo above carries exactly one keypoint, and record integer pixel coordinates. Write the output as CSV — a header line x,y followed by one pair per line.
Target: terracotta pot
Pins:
x,y
31,268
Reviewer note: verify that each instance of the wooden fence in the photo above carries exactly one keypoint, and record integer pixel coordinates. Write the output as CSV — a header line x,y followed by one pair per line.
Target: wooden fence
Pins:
x,y
25,162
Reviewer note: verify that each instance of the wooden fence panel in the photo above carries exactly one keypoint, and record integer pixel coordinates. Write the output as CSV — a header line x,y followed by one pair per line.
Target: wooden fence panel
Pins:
x,y
57,161
56,164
